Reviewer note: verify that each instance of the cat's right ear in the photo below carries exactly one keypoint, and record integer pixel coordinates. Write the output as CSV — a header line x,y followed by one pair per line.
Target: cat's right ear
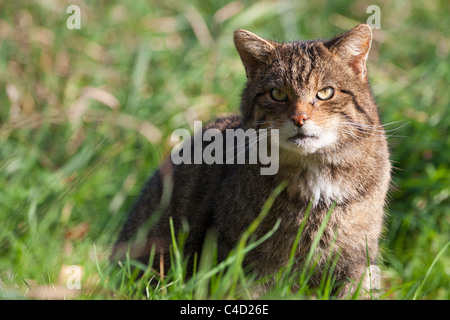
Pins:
x,y
253,50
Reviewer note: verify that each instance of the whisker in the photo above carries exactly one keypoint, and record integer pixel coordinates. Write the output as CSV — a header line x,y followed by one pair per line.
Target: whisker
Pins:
x,y
372,137
349,134
372,127
372,132
252,143
244,142
369,125
362,130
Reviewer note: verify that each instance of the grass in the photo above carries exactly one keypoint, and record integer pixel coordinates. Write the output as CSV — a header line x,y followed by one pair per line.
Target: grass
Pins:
x,y
86,116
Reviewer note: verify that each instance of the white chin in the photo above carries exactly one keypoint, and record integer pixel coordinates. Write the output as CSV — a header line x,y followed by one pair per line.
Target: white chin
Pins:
x,y
310,145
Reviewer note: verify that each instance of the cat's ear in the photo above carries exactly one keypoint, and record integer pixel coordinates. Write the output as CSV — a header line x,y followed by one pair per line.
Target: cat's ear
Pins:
x,y
353,47
253,50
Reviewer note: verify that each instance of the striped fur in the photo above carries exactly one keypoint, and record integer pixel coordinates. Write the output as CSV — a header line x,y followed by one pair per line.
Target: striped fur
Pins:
x,y
339,154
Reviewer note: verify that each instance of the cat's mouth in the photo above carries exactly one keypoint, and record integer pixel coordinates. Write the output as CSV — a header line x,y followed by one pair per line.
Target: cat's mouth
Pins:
x,y
301,137
307,139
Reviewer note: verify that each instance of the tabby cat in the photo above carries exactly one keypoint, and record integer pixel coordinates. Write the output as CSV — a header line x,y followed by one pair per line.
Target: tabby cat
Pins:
x,y
332,152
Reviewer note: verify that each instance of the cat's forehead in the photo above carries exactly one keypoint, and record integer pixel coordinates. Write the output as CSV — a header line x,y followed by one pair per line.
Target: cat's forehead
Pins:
x,y
300,63
301,49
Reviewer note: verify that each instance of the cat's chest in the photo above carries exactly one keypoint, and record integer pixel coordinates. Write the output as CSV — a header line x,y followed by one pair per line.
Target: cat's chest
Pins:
x,y
318,185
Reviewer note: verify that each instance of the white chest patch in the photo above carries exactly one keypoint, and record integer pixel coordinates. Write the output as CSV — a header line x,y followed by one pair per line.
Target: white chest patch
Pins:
x,y
318,186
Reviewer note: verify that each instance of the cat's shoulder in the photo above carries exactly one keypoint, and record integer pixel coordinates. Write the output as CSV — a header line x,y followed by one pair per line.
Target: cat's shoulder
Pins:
x,y
223,123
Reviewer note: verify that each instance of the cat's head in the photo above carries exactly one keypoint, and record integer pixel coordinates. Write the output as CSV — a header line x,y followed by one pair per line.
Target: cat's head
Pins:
x,y
315,92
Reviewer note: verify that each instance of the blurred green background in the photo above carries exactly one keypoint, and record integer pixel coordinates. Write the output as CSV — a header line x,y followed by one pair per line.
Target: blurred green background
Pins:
x,y
86,116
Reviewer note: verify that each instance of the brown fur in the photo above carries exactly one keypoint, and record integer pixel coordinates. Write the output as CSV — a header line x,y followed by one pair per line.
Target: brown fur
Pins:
x,y
353,171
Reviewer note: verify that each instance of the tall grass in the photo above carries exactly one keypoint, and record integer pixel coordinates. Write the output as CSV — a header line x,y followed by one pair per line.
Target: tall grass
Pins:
x,y
227,279
86,117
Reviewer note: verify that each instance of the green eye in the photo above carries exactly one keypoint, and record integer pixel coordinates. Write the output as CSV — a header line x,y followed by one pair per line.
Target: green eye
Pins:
x,y
325,94
278,95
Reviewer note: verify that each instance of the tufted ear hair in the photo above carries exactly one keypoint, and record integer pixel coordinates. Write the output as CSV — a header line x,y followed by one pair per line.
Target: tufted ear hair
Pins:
x,y
353,47
253,50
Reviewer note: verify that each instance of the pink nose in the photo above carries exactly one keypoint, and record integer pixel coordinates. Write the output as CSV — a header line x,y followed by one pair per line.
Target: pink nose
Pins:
x,y
299,119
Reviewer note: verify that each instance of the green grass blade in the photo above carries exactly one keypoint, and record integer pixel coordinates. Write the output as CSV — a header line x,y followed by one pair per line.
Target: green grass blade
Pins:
x,y
440,253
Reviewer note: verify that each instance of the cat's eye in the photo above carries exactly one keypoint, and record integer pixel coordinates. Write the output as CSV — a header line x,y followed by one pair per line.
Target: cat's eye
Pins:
x,y
278,95
325,94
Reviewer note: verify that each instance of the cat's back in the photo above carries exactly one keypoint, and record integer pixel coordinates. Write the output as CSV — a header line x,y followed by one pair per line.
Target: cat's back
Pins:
x,y
184,193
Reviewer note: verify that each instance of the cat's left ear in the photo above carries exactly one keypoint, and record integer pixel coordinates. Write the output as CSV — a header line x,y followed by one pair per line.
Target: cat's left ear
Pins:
x,y
353,47
253,50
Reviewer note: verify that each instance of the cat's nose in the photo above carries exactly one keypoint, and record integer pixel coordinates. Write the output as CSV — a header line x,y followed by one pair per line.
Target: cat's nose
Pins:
x,y
299,119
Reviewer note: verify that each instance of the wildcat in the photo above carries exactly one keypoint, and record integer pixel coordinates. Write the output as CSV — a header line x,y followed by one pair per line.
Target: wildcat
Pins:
x,y
332,150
